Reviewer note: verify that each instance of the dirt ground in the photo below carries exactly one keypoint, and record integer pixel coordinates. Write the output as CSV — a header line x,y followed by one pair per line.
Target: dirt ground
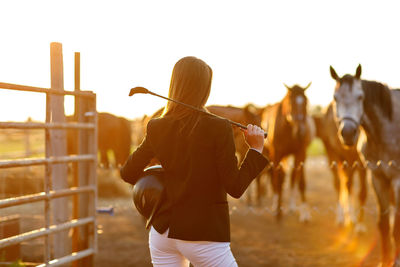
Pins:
x,y
258,239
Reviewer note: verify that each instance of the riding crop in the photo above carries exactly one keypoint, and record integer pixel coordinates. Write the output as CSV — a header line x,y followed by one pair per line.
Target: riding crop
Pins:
x,y
142,90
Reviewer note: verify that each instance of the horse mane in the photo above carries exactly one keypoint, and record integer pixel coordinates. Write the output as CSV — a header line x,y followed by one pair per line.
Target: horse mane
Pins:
x,y
377,95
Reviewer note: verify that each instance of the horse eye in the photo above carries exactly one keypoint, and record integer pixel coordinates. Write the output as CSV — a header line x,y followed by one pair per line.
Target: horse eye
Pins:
x,y
360,98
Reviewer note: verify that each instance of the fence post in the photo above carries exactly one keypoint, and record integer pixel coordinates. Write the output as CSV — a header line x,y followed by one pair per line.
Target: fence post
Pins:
x,y
86,171
75,209
85,205
58,148
28,151
92,179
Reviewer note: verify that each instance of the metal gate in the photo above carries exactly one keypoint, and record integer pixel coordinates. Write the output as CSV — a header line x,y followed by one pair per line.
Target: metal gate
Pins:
x,y
84,189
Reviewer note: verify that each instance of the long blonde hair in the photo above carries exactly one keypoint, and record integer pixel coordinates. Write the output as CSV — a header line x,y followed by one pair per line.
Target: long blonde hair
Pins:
x,y
190,84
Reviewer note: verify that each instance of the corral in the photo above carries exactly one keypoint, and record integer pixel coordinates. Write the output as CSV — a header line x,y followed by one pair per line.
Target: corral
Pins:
x,y
39,233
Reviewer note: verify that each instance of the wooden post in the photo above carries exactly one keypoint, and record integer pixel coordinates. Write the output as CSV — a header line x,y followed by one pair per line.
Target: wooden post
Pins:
x,y
58,148
75,233
10,226
28,151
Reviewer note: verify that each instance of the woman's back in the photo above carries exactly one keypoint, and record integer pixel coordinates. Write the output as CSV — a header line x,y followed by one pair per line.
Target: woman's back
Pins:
x,y
197,152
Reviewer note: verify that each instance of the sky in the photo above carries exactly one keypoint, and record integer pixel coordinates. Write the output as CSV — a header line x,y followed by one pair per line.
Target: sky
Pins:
x,y
253,47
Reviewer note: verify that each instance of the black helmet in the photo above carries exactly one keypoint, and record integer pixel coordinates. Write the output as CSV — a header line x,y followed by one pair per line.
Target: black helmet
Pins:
x,y
148,192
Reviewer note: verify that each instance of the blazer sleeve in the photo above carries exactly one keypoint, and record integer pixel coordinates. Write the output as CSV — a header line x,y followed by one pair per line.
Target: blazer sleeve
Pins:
x,y
236,180
133,168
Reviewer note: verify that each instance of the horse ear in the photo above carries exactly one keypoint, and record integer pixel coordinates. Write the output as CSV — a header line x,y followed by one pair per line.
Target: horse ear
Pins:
x,y
308,85
358,71
287,86
248,109
333,73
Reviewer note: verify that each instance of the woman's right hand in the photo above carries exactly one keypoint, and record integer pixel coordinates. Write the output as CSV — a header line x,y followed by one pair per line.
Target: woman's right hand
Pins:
x,y
254,136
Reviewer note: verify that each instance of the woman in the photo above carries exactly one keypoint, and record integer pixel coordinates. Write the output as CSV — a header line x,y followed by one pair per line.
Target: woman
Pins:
x,y
197,152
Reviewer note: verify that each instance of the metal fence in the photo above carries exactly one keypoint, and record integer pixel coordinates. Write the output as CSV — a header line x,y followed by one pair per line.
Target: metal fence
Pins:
x,y
84,189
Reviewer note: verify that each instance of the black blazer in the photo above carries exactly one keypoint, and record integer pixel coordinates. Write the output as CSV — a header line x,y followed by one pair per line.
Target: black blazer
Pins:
x,y
200,169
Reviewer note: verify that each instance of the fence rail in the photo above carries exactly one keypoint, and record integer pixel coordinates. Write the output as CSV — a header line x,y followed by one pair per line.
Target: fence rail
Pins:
x,y
45,161
43,125
9,202
26,88
44,232
73,257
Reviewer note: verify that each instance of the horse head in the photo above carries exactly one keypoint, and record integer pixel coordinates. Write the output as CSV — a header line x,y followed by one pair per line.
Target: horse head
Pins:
x,y
348,105
294,108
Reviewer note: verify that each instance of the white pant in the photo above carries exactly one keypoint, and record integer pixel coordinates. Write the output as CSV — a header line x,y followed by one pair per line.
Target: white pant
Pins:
x,y
174,252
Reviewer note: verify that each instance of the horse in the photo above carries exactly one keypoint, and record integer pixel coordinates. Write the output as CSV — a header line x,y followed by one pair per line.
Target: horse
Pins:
x,y
114,133
290,131
344,161
371,108
249,114
138,126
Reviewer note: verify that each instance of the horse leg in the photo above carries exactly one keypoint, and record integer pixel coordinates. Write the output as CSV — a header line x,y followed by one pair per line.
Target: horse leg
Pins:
x,y
382,191
293,192
277,185
305,214
349,172
104,158
249,189
259,189
337,186
116,158
362,197
120,156
396,229
280,181
241,149
274,185
299,178
248,195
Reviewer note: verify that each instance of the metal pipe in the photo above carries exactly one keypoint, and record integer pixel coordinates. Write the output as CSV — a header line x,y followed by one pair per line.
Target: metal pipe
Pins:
x,y
26,88
44,161
45,231
70,258
50,125
9,202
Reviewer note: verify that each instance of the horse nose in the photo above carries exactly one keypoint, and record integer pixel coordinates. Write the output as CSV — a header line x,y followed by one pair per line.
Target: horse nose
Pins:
x,y
348,131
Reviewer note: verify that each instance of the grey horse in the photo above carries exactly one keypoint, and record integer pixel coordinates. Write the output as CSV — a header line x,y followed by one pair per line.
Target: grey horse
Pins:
x,y
371,108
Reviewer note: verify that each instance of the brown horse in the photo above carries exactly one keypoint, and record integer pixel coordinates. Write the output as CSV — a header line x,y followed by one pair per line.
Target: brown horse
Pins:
x,y
138,130
344,161
114,133
246,115
140,126
290,131
371,107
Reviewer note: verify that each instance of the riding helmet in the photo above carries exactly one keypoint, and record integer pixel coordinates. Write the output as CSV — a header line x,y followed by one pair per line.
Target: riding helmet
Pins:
x,y
148,192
